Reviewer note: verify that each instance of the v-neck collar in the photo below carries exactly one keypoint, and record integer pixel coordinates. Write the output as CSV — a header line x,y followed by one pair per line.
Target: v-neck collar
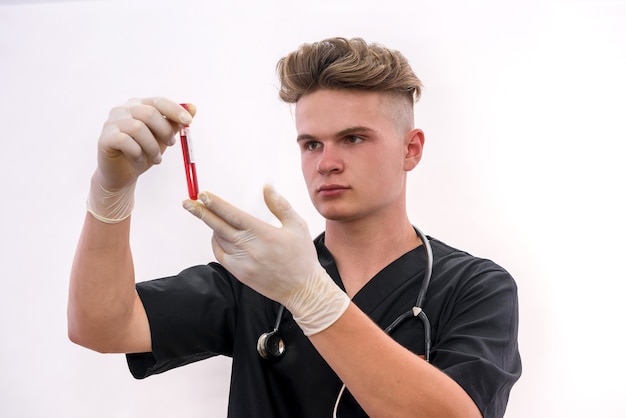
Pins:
x,y
382,285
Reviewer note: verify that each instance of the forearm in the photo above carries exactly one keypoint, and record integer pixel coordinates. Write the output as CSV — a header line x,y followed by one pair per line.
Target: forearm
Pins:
x,y
385,378
102,294
104,310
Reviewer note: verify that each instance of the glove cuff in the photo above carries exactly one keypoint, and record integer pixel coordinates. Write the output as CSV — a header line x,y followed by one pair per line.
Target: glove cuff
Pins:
x,y
110,206
318,304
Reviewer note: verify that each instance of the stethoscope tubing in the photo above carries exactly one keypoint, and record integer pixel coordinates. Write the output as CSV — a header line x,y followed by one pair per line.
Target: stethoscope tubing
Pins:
x,y
416,310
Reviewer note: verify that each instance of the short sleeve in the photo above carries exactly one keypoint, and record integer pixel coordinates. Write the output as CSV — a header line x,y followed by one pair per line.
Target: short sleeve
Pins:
x,y
192,317
476,343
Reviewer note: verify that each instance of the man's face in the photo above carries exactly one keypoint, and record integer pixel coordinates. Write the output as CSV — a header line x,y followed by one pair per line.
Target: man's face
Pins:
x,y
353,153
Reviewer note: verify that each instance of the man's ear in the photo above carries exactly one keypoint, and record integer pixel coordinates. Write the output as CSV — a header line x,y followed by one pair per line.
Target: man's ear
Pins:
x,y
414,146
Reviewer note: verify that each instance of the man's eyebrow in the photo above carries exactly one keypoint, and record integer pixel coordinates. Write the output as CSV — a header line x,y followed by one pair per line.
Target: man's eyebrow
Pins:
x,y
343,132
354,130
305,137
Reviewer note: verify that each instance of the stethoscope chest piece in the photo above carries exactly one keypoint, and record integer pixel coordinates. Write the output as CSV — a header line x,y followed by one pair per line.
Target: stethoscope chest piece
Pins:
x,y
271,345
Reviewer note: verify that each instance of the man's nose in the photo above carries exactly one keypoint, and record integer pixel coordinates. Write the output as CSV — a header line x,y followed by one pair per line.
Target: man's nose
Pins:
x,y
330,160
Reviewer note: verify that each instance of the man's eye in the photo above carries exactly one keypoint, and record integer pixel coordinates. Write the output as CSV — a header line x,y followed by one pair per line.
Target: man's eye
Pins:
x,y
312,145
353,139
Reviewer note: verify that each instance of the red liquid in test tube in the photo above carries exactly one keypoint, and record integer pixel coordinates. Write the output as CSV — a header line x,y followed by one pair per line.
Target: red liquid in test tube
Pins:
x,y
190,162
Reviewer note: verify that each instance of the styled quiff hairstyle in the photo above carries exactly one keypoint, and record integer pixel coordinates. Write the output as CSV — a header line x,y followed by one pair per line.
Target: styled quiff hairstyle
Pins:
x,y
346,64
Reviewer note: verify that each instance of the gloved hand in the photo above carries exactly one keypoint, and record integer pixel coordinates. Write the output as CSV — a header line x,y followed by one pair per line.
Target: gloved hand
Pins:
x,y
133,139
280,263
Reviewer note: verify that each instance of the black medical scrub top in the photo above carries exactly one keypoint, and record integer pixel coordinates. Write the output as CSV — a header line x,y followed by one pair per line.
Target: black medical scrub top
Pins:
x,y
204,311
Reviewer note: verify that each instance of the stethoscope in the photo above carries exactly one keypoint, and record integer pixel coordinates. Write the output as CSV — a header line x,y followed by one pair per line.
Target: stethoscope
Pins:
x,y
271,345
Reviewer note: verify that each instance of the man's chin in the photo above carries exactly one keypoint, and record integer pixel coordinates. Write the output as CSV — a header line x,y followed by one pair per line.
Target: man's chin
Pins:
x,y
338,215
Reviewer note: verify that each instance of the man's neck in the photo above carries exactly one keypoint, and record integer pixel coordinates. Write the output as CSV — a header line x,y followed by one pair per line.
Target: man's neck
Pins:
x,y
363,248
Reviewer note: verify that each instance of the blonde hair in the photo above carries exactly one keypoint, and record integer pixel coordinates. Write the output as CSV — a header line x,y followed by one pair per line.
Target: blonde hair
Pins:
x,y
350,64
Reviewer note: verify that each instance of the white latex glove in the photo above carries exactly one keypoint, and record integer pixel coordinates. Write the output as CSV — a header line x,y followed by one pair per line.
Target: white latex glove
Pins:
x,y
133,139
280,263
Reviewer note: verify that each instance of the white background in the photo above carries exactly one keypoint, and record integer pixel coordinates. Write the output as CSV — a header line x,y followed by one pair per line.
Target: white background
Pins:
x,y
523,108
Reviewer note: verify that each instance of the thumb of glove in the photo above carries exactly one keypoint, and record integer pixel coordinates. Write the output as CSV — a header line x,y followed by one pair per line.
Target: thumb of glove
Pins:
x,y
280,207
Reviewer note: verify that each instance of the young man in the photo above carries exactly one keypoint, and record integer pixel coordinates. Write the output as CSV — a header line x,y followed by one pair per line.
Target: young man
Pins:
x,y
354,120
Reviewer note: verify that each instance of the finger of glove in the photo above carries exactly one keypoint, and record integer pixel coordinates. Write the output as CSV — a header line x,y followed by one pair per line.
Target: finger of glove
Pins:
x,y
226,220
233,220
143,121
191,108
162,129
168,108
239,250
218,251
239,263
230,246
132,138
282,209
